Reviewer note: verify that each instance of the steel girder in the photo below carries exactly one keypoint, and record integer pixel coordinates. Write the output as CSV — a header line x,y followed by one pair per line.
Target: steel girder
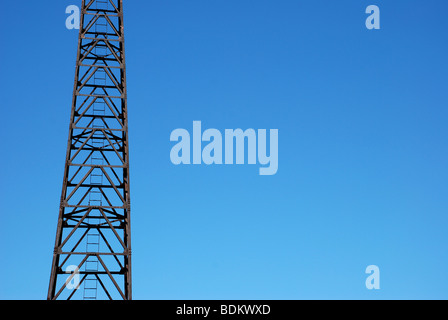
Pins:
x,y
92,253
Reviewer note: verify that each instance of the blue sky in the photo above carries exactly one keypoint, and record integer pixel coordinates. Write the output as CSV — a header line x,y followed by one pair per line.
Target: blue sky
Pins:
x,y
362,175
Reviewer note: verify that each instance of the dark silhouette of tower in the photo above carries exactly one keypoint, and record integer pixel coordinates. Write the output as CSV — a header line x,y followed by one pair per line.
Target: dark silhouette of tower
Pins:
x,y
92,254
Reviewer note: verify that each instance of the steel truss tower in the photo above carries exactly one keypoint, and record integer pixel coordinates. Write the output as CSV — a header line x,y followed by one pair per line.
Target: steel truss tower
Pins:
x,y
92,254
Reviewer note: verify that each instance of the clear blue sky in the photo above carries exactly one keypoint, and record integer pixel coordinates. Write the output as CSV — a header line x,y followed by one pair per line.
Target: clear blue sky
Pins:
x,y
362,118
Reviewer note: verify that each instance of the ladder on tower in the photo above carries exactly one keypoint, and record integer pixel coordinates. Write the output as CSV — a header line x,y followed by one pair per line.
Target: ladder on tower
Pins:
x,y
91,266
93,235
101,25
96,176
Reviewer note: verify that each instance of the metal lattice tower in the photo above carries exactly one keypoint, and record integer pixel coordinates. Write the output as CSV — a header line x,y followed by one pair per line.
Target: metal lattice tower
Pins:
x,y
92,255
